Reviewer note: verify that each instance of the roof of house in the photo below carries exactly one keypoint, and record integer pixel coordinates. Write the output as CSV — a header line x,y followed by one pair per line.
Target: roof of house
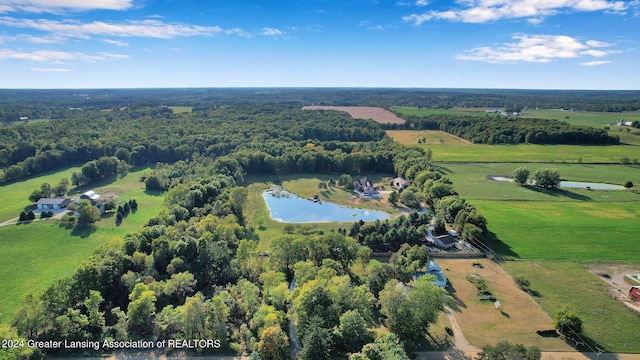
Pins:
x,y
446,239
91,195
400,180
433,266
52,201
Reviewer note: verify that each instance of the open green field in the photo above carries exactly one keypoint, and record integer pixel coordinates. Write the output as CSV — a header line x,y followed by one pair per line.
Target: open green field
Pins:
x,y
34,255
610,324
611,154
15,196
582,231
582,118
471,180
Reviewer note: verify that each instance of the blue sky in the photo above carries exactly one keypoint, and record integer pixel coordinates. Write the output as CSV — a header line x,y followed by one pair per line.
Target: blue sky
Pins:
x,y
526,44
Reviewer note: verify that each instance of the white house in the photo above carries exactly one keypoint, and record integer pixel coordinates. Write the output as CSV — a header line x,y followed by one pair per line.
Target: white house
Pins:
x,y
400,183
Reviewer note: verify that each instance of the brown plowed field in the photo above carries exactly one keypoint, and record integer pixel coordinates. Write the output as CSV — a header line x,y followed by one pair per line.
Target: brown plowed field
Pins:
x,y
377,114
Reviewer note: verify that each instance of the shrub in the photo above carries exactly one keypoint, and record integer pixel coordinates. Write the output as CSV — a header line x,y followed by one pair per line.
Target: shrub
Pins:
x,y
523,283
628,184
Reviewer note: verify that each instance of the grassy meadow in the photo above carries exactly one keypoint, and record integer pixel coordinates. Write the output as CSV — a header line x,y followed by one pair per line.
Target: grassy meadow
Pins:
x,y
563,283
15,196
472,181
34,255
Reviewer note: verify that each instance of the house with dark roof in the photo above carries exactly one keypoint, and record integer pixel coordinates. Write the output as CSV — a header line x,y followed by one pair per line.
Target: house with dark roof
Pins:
x,y
445,241
52,203
364,186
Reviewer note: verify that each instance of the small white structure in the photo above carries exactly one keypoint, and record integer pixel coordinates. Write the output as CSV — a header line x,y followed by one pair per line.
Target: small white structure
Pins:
x,y
444,241
90,195
52,203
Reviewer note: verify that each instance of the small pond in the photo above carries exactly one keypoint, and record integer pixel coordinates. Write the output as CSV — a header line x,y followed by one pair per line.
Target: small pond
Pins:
x,y
289,208
574,184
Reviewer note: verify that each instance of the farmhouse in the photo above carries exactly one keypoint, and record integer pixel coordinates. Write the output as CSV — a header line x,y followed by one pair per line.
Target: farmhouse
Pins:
x,y
364,186
52,203
400,183
634,293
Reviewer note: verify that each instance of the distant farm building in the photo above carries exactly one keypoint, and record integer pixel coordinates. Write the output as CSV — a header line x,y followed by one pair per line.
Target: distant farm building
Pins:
x,y
400,183
52,203
634,293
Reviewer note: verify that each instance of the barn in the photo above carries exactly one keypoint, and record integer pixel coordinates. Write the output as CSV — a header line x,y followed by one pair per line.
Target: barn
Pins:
x,y
634,293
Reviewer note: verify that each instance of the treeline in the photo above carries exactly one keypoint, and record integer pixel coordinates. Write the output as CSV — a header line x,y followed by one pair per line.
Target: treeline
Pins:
x,y
59,104
508,130
323,141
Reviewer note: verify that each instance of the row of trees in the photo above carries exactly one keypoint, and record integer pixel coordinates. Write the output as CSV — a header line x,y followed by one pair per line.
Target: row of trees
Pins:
x,y
492,129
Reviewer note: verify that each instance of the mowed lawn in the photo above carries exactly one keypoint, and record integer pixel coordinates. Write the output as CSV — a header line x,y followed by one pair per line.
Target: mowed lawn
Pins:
x,y
610,324
15,196
582,231
34,255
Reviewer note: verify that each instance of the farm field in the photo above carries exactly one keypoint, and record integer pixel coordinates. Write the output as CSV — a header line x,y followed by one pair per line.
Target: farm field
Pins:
x,y
363,112
563,283
582,118
411,137
581,231
472,181
34,255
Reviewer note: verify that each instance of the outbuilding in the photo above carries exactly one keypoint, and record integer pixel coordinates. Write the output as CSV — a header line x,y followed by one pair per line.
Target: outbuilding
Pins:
x,y
634,293
52,203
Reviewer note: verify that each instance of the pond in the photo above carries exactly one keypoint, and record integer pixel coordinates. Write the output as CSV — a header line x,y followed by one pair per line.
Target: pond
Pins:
x,y
289,208
574,184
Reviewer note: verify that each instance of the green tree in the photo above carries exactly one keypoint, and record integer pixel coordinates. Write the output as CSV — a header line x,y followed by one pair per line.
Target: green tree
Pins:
x,y
411,199
273,344
87,213
62,187
409,312
386,347
628,184
521,175
504,350
364,255
352,333
547,178
567,322
141,311
393,198
317,344
96,317
46,190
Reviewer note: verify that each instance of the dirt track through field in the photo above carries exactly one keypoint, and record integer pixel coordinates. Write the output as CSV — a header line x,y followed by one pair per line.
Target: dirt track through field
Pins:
x,y
377,114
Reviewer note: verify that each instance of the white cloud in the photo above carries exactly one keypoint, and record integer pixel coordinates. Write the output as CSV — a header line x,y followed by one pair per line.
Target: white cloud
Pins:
x,y
271,32
115,42
377,27
595,63
55,6
239,32
56,57
537,48
50,69
142,28
482,11
422,2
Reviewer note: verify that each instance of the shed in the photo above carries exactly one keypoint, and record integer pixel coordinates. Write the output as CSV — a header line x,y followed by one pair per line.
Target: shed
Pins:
x,y
400,183
90,195
634,293
52,203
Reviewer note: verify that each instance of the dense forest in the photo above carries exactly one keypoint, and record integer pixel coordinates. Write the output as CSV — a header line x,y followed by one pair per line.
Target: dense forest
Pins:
x,y
507,130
